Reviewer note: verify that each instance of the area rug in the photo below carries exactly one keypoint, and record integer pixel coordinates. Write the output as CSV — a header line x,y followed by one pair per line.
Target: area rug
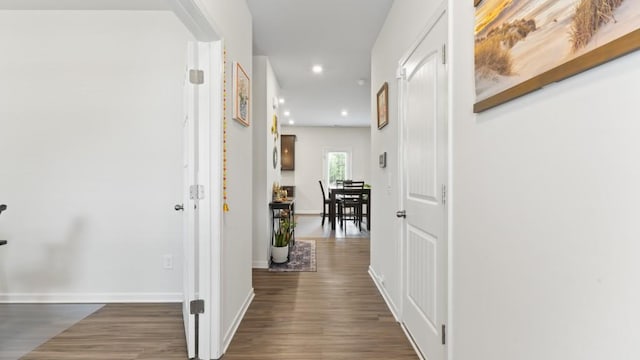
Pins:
x,y
302,258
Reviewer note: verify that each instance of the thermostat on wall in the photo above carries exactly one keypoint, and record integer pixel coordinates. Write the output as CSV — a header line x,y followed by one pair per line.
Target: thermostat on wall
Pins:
x,y
382,159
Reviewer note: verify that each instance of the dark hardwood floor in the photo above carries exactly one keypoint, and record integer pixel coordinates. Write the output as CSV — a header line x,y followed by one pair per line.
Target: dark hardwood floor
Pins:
x,y
120,332
334,313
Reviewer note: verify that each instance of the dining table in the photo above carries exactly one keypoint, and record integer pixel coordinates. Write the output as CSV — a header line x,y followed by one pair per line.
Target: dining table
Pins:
x,y
334,193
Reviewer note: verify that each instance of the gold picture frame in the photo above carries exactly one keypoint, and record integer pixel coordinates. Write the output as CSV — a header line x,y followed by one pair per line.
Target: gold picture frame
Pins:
x,y
382,102
241,95
546,51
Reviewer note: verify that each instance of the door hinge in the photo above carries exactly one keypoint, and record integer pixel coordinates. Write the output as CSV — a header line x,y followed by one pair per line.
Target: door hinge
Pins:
x,y
196,77
196,307
444,54
196,192
444,194
444,334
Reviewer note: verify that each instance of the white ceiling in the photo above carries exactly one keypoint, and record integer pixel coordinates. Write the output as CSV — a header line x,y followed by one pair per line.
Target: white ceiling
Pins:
x,y
84,5
338,34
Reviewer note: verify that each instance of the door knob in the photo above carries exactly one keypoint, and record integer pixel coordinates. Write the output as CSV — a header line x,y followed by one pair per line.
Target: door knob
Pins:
x,y
179,207
401,214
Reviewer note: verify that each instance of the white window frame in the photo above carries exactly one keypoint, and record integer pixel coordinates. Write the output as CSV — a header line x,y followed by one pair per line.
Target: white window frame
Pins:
x,y
325,163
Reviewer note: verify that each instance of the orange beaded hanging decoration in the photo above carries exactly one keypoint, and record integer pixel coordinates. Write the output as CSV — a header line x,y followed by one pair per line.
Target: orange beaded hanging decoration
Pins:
x,y
225,206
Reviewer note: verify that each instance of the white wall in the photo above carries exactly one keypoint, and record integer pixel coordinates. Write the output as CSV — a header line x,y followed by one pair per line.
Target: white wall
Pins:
x,y
310,145
545,215
404,23
234,22
90,154
265,88
543,204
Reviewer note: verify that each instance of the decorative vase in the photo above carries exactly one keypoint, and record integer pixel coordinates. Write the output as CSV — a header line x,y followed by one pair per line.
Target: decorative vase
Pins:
x,y
280,255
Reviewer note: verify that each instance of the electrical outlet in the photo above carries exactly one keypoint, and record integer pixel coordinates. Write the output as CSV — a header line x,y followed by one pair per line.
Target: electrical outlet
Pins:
x,y
167,262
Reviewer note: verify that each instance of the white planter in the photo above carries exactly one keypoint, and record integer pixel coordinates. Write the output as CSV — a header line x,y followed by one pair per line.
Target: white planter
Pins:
x,y
279,254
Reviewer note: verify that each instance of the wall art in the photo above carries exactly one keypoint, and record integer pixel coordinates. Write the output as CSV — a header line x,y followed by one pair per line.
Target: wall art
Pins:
x,y
523,45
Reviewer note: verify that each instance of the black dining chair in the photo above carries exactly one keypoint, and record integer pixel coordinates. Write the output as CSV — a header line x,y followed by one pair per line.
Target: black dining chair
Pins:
x,y
326,203
352,204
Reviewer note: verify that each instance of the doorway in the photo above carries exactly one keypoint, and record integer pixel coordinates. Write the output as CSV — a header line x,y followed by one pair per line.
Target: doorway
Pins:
x,y
111,142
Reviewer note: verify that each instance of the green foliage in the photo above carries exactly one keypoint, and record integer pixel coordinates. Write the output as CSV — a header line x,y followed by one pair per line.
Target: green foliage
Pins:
x,y
284,233
337,166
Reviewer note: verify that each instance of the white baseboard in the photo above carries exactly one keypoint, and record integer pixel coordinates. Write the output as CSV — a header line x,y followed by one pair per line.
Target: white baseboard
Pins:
x,y
413,343
91,298
385,295
228,336
260,264
394,310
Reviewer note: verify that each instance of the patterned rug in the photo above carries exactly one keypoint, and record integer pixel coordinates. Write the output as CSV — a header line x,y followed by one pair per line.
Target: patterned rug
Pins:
x,y
303,258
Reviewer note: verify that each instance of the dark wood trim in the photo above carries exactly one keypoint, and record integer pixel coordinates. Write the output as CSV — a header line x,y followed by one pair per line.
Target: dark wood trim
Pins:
x,y
476,2
593,58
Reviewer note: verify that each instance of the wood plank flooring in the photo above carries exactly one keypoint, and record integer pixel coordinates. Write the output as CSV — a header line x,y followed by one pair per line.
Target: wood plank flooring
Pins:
x,y
120,332
334,313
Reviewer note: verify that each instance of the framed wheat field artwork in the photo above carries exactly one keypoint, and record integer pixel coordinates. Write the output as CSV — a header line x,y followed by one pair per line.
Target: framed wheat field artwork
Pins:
x,y
523,45
241,95
383,105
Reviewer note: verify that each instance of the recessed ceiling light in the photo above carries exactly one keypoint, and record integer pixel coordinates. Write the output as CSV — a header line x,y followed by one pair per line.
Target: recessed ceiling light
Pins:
x,y
291,122
344,113
287,113
281,100
361,82
317,69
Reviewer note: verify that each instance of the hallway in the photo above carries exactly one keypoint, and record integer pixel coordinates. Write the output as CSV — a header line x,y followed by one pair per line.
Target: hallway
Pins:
x,y
334,313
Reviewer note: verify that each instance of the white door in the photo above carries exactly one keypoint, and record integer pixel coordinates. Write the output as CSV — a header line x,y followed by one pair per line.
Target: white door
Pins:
x,y
189,205
424,175
202,134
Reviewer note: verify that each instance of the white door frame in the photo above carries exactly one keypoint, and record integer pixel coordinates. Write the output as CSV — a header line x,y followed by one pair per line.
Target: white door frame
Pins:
x,y
210,162
441,10
210,110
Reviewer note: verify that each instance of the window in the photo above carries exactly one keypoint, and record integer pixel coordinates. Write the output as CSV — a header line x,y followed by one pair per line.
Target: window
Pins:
x,y
338,166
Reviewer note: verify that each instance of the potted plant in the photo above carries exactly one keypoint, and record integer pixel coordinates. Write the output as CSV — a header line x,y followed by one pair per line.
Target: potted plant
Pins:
x,y
281,240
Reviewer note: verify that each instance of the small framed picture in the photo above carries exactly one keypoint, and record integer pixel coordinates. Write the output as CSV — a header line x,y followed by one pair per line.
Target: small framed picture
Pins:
x,y
383,106
241,95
